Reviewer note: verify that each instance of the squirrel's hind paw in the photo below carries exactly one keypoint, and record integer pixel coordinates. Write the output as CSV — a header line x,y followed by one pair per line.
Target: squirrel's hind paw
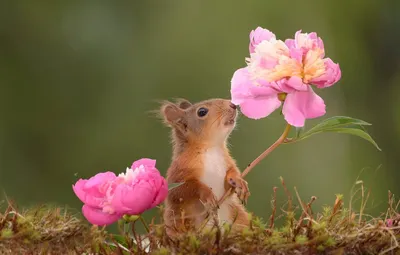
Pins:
x,y
210,202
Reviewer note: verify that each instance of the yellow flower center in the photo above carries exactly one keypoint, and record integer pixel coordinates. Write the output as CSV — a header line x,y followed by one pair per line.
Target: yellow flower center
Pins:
x,y
312,65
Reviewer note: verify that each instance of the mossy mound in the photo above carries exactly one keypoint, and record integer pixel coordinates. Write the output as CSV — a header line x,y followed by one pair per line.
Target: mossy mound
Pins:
x,y
45,230
336,230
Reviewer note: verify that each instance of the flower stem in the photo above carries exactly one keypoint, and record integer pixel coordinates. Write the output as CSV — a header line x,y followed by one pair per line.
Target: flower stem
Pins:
x,y
144,224
278,142
255,162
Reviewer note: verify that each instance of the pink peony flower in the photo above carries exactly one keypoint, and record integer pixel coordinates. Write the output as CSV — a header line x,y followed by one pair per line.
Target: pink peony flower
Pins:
x,y
108,197
279,72
140,188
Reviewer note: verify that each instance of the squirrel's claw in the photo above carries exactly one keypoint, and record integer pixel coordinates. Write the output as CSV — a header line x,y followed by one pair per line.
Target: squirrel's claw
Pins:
x,y
241,188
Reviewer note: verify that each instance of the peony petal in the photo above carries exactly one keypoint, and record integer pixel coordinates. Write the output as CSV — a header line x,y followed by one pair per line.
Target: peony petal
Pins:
x,y
240,86
146,162
296,54
91,197
93,191
317,41
260,107
97,217
94,201
290,43
151,175
255,101
78,189
296,83
133,199
99,179
300,106
264,62
258,35
162,193
264,91
332,75
282,86
306,42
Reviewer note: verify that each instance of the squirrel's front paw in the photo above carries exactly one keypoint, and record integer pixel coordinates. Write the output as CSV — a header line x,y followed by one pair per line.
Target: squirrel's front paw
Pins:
x,y
209,200
241,188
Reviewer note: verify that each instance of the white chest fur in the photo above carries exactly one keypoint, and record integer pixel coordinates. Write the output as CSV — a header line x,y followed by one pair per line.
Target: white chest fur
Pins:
x,y
214,171
215,168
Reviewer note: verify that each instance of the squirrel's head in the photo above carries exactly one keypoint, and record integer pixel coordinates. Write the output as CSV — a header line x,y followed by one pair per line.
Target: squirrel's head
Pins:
x,y
209,121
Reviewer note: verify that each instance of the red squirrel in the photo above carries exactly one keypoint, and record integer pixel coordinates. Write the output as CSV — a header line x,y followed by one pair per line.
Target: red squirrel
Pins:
x,y
202,162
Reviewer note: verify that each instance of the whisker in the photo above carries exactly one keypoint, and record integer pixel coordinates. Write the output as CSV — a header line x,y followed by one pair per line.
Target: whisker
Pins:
x,y
218,118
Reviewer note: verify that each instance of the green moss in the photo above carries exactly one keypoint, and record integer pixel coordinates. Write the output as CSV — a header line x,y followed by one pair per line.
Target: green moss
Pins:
x,y
162,251
320,247
285,229
194,242
339,196
258,223
319,228
6,233
326,211
246,232
330,242
301,239
275,238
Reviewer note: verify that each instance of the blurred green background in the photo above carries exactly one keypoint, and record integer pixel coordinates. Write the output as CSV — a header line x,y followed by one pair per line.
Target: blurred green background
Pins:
x,y
79,78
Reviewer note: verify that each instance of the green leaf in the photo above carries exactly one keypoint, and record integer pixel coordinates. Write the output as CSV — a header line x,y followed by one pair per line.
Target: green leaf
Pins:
x,y
120,239
299,131
355,131
174,185
124,249
117,241
339,124
334,122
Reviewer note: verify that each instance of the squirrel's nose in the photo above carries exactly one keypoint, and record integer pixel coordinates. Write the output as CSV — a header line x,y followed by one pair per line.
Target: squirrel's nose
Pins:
x,y
232,106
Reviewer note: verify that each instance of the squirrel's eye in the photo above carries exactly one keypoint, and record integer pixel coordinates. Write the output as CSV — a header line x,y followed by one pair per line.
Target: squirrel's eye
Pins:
x,y
202,112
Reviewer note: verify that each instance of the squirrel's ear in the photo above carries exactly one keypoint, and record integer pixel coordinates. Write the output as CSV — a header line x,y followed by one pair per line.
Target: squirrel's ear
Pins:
x,y
172,113
183,103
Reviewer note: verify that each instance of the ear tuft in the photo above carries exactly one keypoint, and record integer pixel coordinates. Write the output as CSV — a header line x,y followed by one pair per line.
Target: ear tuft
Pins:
x,y
171,113
183,103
